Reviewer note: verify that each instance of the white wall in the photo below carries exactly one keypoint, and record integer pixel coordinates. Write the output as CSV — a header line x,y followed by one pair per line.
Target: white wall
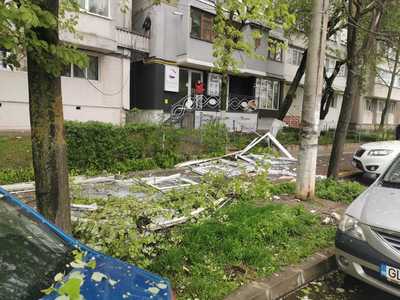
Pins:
x,y
103,104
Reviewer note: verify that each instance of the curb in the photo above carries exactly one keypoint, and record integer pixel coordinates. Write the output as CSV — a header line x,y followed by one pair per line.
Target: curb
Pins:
x,y
289,280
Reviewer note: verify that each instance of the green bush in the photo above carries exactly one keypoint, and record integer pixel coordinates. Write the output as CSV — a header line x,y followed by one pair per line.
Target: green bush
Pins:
x,y
99,146
338,190
215,137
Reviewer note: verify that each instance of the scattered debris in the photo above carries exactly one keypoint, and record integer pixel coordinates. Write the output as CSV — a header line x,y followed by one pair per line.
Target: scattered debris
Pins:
x,y
336,216
166,183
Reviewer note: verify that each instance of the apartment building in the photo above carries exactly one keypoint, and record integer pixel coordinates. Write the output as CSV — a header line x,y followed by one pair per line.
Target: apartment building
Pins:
x,y
180,54
181,47
100,92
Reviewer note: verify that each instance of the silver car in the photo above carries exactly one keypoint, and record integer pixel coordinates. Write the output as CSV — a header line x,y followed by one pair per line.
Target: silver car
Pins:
x,y
368,237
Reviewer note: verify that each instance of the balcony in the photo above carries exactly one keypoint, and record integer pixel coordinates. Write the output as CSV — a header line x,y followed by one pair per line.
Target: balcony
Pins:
x,y
132,40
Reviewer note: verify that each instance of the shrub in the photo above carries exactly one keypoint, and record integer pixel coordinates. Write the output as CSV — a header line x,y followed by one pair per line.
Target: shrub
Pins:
x,y
338,190
214,136
100,146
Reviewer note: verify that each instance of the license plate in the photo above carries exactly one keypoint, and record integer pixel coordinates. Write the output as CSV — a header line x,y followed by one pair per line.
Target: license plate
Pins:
x,y
392,274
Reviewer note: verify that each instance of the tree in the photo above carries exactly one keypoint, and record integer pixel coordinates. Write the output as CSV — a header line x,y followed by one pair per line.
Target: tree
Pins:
x,y
30,27
393,75
302,9
389,52
360,44
231,18
309,129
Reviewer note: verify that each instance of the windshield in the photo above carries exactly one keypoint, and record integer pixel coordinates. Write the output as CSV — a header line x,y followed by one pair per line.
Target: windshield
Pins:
x,y
392,176
30,254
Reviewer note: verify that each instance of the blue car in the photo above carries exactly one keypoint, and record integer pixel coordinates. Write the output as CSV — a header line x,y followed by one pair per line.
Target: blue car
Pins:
x,y
33,251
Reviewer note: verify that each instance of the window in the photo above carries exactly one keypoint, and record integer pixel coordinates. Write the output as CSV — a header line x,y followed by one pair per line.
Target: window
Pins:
x,y
342,71
91,72
275,50
9,65
268,93
295,56
3,64
98,7
329,66
392,107
336,99
383,77
381,106
370,105
257,43
31,254
202,25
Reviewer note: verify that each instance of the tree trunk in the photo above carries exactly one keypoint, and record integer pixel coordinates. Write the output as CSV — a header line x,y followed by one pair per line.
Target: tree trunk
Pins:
x,y
291,94
329,92
224,93
47,131
312,100
390,89
355,59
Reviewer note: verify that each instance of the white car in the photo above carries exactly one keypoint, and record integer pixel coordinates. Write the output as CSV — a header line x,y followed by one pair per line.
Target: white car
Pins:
x,y
375,157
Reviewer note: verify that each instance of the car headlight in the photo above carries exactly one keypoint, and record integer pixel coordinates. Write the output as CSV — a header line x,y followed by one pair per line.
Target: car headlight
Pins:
x,y
379,152
349,226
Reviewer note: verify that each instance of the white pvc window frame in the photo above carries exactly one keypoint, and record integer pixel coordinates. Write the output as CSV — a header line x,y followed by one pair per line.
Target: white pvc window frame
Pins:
x,y
85,6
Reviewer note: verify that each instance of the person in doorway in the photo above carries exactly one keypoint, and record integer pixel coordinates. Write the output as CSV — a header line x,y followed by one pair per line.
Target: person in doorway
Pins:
x,y
199,91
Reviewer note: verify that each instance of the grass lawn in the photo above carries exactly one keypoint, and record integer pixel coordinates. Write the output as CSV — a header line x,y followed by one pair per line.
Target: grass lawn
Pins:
x,y
15,152
239,243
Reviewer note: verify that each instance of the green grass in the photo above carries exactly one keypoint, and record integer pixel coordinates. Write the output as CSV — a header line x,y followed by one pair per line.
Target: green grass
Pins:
x,y
339,190
15,159
329,189
239,243
15,152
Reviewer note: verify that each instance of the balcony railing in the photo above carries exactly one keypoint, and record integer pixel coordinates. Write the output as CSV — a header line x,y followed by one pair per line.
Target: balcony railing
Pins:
x,y
132,40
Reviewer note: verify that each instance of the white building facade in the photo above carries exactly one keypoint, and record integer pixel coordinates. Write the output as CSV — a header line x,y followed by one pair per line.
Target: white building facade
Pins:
x,y
100,92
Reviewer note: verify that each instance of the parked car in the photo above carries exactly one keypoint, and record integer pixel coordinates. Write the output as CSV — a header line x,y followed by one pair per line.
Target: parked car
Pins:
x,y
375,157
368,236
33,251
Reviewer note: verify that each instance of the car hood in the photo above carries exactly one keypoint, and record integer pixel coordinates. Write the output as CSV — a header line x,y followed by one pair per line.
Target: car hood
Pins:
x,y
120,281
392,145
379,207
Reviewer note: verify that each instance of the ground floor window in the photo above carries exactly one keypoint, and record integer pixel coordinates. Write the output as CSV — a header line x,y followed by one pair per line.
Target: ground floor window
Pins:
x,y
267,93
91,72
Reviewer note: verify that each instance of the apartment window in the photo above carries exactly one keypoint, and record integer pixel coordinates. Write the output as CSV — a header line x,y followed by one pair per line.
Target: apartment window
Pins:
x,y
336,99
202,25
3,57
342,71
295,55
91,72
23,63
98,7
370,105
383,77
392,107
268,93
275,50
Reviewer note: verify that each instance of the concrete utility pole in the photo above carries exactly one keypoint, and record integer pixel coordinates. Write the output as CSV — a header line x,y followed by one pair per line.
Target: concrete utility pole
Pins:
x,y
312,101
